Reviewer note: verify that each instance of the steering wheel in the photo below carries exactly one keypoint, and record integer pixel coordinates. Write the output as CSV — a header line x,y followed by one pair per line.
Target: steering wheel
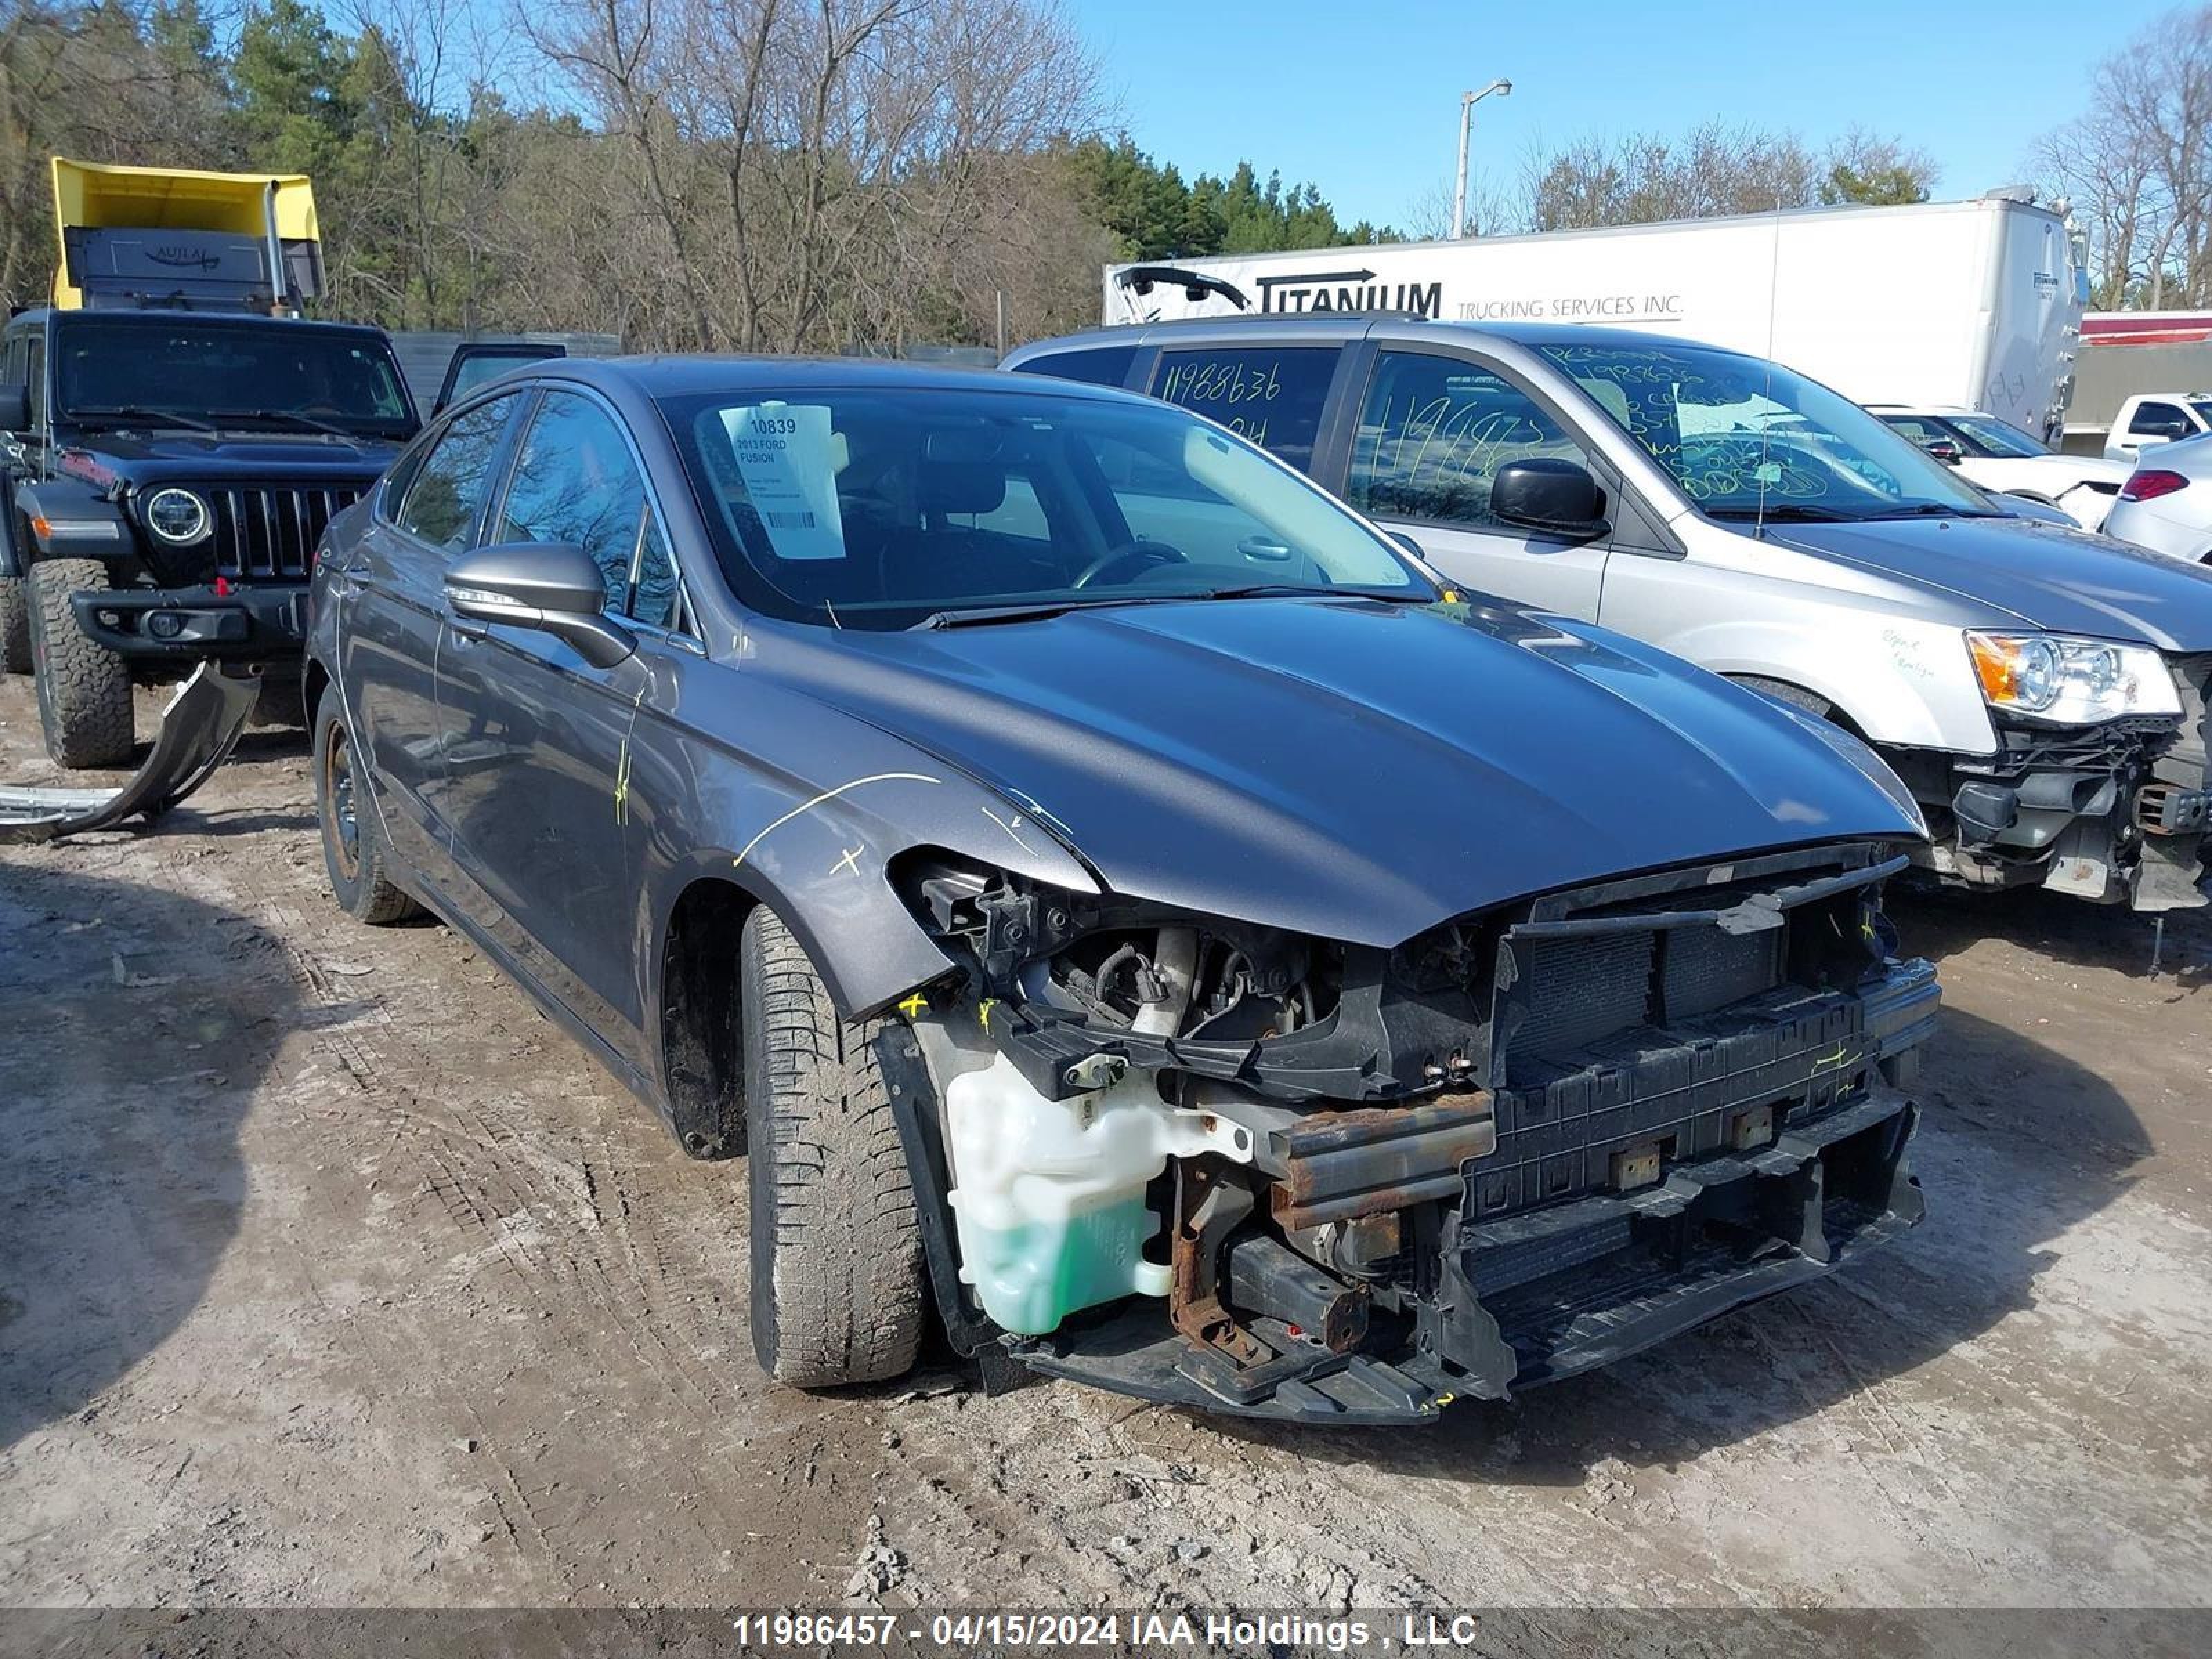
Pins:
x,y
1138,553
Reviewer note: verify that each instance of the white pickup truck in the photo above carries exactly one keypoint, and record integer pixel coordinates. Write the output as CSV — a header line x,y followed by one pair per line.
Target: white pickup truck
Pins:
x,y
2149,418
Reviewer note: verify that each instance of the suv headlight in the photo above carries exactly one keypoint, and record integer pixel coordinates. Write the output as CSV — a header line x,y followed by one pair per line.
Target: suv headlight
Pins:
x,y
175,516
2070,681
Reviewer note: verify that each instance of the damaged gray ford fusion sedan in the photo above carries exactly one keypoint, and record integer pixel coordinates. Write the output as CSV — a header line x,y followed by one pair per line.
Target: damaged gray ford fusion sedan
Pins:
x,y
1117,897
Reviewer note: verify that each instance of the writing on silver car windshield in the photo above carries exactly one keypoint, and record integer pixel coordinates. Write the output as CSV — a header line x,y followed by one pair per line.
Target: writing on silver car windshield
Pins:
x,y
1746,439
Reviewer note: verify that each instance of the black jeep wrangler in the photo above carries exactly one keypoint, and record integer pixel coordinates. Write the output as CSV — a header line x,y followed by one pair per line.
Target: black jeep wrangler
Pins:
x,y
166,476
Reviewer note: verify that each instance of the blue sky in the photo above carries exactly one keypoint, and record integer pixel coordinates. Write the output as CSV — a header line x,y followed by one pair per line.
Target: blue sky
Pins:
x,y
1362,96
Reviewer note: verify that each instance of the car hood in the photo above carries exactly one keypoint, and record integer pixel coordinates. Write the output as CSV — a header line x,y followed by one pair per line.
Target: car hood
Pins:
x,y
2068,582
1357,771
150,458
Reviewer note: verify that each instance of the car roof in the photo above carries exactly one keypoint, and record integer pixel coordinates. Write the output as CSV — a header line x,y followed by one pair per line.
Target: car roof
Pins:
x,y
156,317
1365,324
656,377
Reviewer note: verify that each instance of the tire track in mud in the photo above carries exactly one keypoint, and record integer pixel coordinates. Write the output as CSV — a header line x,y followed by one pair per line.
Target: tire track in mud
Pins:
x,y
469,1164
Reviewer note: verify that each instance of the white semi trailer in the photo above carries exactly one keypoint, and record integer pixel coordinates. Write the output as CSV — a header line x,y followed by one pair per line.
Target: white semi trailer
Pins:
x,y
1974,304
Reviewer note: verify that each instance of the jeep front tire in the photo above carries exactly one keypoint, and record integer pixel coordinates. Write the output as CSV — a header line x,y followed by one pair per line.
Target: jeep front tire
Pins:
x,y
84,689
15,626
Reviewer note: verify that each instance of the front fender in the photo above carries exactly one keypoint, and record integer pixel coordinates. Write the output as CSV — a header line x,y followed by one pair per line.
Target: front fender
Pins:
x,y
807,818
70,520
1904,682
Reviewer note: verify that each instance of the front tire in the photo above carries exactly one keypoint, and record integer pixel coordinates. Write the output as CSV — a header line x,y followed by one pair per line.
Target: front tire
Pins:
x,y
837,1280
15,626
84,689
354,855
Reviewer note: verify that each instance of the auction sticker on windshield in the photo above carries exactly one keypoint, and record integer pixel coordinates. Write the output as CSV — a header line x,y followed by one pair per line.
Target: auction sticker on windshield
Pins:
x,y
786,457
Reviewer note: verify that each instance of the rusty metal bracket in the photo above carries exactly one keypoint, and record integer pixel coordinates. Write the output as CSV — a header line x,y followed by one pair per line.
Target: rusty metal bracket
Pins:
x,y
199,728
1208,1210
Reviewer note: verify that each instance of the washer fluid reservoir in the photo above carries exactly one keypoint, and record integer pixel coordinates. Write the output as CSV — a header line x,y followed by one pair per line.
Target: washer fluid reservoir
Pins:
x,y
1048,1195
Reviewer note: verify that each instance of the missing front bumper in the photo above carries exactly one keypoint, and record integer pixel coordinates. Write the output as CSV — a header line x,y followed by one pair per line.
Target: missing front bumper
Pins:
x,y
1535,1298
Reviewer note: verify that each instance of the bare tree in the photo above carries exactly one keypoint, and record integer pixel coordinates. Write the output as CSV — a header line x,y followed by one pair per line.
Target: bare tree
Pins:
x,y
98,82
1715,168
2138,165
810,168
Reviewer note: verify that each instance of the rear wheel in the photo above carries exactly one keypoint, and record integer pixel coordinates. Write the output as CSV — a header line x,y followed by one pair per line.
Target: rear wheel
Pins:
x,y
84,689
353,848
837,1290
15,626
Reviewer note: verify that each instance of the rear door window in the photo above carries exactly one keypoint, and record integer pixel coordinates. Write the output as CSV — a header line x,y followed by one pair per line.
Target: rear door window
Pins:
x,y
2153,418
1433,433
1093,365
450,485
1273,396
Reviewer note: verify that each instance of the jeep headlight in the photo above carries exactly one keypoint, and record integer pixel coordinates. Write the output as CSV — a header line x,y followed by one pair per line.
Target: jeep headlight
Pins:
x,y
2073,682
176,516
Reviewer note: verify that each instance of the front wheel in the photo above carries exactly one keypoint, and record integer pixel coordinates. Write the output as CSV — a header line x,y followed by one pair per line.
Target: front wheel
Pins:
x,y
84,689
353,848
838,1287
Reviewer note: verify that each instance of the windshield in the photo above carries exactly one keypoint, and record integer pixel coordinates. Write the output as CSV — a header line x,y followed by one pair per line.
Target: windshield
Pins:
x,y
885,507
1744,437
208,371
1994,437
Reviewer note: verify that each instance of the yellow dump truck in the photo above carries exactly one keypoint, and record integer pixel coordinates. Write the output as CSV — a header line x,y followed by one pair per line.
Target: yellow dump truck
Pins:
x,y
174,439
166,237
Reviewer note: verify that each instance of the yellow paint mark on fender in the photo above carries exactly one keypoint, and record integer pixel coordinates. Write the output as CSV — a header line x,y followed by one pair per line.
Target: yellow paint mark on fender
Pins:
x,y
983,1014
914,1006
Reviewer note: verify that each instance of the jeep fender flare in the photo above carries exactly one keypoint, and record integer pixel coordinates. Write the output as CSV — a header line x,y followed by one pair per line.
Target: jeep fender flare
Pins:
x,y
78,523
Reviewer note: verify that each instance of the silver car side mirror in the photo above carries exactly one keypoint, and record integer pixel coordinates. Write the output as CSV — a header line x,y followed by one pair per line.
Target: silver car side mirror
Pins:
x,y
552,587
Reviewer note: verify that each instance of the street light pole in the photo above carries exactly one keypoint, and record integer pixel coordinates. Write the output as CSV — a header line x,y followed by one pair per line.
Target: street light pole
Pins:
x,y
1467,100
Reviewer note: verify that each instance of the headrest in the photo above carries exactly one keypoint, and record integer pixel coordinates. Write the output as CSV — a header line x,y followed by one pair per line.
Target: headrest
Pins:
x,y
962,486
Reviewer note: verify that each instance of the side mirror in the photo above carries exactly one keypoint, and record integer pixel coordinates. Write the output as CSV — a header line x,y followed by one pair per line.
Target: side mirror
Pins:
x,y
552,587
15,407
1946,450
1547,494
2163,432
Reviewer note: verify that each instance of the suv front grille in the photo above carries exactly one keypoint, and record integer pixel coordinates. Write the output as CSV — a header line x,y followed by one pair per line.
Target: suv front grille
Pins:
x,y
268,532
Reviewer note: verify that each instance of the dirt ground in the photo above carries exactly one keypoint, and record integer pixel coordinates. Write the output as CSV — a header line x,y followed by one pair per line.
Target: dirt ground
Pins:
x,y
331,1273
